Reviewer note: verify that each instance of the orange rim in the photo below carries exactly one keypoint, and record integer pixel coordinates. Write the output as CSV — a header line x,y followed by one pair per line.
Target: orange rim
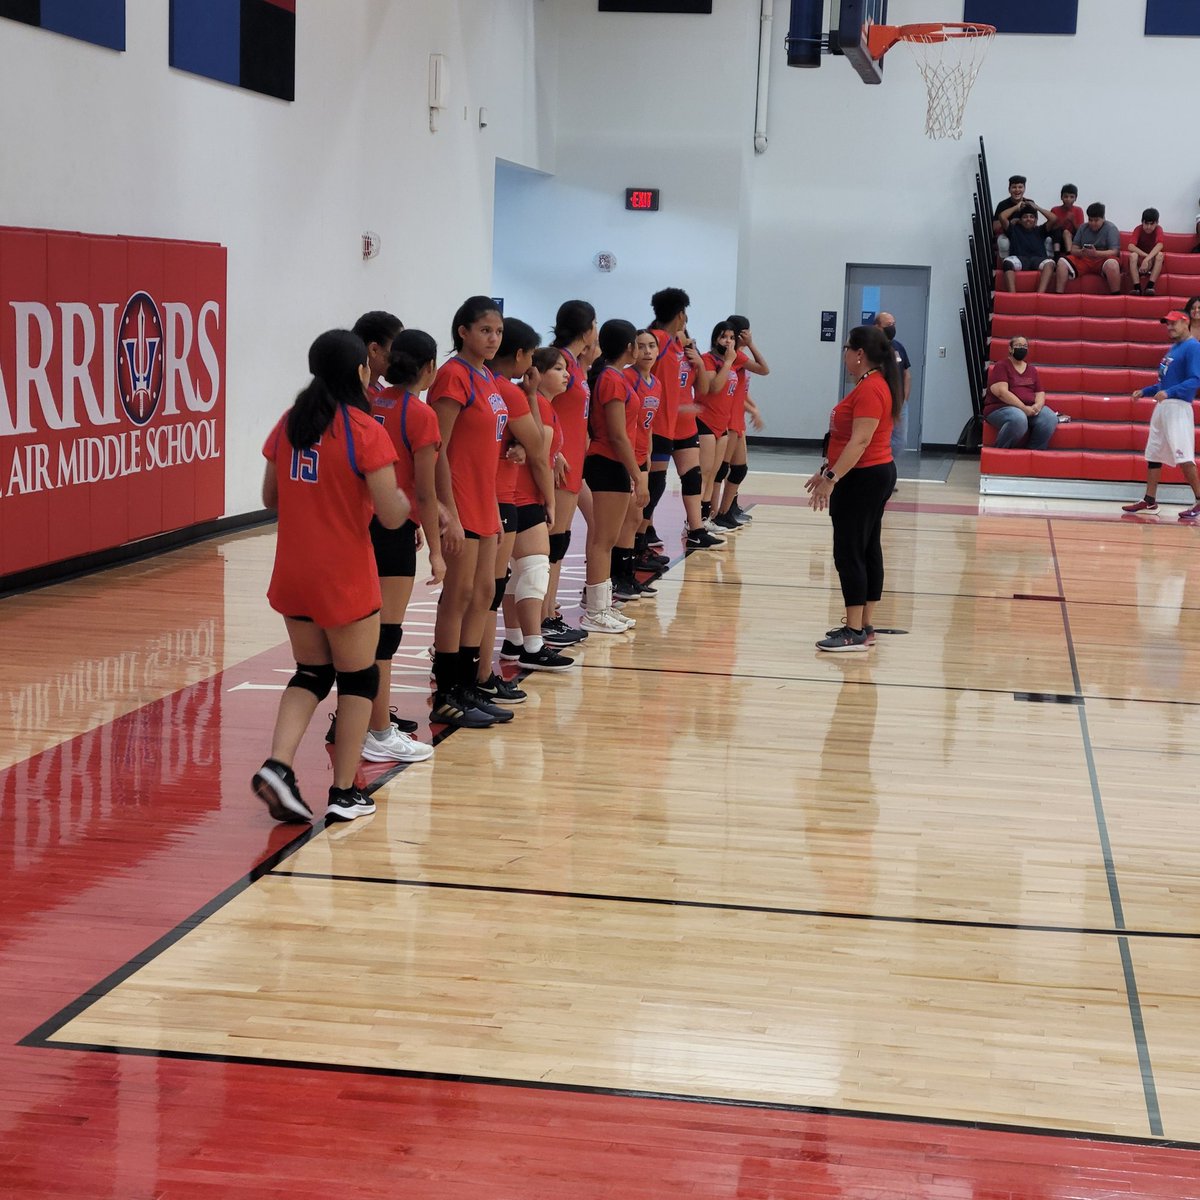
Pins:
x,y
881,38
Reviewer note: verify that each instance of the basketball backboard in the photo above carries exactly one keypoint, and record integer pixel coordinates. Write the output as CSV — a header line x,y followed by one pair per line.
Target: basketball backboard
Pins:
x,y
848,29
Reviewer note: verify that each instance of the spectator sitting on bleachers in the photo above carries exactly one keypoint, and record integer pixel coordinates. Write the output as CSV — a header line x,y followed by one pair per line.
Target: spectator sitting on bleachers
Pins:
x,y
1196,247
1005,211
1146,253
1027,249
1067,216
1016,405
1192,308
1094,249
1172,436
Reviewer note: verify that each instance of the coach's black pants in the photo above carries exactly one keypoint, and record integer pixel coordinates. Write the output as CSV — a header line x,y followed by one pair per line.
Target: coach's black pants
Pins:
x,y
856,508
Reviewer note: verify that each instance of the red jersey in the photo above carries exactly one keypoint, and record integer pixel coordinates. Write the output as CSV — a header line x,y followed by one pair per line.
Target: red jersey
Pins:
x,y
572,411
612,388
527,491
737,410
324,561
473,448
507,471
650,395
717,408
870,397
550,419
674,372
412,425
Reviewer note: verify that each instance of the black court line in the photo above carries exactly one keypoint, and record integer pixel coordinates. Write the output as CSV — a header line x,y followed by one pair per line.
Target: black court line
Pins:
x,y
636,1094
1031,596
1150,1090
728,906
1047,698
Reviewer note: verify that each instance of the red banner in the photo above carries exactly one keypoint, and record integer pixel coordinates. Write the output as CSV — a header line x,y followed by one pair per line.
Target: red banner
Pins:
x,y
112,391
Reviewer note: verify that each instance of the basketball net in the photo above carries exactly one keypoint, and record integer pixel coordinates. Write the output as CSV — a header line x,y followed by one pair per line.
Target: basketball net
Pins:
x,y
949,57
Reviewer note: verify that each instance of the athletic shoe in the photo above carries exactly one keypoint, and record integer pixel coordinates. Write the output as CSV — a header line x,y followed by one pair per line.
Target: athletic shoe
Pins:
x,y
869,630
477,699
275,785
606,621
558,633
725,523
1191,514
1136,290
395,747
652,538
843,639
628,622
652,563
499,691
1149,289
626,590
646,589
450,708
510,651
545,659
1146,506
739,514
346,804
701,539
401,723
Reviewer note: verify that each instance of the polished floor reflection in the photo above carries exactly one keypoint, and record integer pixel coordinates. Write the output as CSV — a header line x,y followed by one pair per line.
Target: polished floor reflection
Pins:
x,y
717,915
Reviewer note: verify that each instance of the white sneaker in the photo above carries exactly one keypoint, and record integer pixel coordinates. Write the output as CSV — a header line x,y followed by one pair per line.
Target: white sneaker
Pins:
x,y
604,621
629,622
395,746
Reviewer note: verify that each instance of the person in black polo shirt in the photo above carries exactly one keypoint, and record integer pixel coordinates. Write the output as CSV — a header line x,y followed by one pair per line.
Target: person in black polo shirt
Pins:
x,y
887,323
1027,249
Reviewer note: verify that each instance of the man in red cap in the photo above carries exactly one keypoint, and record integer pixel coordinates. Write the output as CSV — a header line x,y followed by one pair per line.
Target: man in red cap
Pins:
x,y
1173,426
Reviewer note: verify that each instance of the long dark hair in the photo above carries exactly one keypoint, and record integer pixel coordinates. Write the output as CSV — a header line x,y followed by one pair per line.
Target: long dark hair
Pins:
x,y
334,359
615,338
518,336
879,353
573,320
468,313
412,352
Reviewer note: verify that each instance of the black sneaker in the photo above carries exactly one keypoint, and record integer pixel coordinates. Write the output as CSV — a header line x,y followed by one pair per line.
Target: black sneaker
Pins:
x,y
401,723
449,708
510,651
727,522
626,590
701,539
558,633
739,514
869,630
653,564
652,538
545,659
347,804
474,698
646,589
275,785
499,691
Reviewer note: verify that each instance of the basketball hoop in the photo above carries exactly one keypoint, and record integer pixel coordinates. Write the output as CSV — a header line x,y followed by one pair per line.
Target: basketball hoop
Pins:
x,y
949,57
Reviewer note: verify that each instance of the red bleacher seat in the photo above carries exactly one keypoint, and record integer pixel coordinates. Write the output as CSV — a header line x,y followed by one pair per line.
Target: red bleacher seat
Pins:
x,y
1061,379
1004,462
1055,464
1112,467
1108,408
1067,405
1144,331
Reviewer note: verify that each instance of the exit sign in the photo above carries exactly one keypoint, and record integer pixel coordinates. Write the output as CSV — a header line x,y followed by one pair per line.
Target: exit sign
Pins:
x,y
641,199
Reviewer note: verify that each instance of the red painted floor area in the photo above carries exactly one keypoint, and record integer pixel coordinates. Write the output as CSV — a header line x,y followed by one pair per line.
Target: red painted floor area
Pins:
x,y
111,840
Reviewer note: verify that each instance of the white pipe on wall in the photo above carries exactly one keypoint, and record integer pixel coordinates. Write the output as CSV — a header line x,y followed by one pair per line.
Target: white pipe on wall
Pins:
x,y
766,24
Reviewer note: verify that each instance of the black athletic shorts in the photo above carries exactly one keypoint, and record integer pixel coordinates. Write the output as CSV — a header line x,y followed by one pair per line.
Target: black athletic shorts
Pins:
x,y
508,518
530,516
605,474
703,430
395,549
660,447
691,443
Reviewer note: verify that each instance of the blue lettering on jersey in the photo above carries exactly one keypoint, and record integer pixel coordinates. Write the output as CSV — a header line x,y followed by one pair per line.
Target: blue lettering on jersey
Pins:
x,y
501,411
305,464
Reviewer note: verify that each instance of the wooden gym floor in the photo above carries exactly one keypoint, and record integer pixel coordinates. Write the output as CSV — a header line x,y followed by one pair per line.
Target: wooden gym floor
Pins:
x,y
715,916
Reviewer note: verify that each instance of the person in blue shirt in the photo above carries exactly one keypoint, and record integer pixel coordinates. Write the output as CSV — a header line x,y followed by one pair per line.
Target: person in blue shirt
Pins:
x,y
1173,426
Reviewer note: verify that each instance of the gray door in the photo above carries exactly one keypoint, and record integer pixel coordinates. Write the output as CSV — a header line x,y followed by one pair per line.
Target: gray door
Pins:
x,y
904,292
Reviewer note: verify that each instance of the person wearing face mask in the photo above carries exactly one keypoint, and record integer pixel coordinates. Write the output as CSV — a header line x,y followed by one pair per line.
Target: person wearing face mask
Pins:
x,y
887,323
1015,405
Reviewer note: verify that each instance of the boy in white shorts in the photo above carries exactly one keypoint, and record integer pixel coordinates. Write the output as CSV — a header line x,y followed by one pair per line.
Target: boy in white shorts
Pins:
x,y
1173,427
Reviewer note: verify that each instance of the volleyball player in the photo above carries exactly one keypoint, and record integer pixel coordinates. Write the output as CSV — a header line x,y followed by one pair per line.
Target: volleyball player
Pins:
x,y
575,336
733,471
328,464
712,423
675,434
472,417
377,329
608,470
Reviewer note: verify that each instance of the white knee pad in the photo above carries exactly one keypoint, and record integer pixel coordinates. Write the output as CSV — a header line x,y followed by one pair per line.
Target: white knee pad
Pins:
x,y
531,577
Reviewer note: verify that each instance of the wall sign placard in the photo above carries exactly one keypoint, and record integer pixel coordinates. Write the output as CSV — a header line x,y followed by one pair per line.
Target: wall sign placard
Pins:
x,y
1025,16
641,199
112,391
249,43
828,325
101,22
1172,18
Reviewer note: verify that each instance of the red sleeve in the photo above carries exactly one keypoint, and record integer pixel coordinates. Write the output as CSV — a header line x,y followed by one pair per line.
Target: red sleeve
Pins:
x,y
998,373
740,360
451,383
372,446
1159,239
517,401
423,428
271,445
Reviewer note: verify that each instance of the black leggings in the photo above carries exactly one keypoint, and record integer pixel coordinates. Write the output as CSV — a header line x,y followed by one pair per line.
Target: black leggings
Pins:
x,y
856,508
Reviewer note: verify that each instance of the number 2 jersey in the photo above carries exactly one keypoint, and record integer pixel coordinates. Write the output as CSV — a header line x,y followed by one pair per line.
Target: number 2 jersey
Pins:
x,y
324,561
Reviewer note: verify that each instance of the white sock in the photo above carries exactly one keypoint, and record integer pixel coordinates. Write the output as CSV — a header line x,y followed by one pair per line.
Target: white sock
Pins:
x,y
381,735
534,643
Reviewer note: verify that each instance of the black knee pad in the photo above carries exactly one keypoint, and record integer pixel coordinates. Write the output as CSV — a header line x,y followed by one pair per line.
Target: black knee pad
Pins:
x,y
389,640
364,683
692,482
738,473
317,679
722,471
558,546
501,584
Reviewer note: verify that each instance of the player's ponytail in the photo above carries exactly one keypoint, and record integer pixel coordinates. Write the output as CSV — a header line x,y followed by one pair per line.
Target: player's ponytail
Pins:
x,y
334,360
615,339
412,351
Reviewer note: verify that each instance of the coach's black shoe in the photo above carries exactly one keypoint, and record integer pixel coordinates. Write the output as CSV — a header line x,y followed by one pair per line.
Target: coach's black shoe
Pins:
x,y
499,691
452,709
275,785
348,804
